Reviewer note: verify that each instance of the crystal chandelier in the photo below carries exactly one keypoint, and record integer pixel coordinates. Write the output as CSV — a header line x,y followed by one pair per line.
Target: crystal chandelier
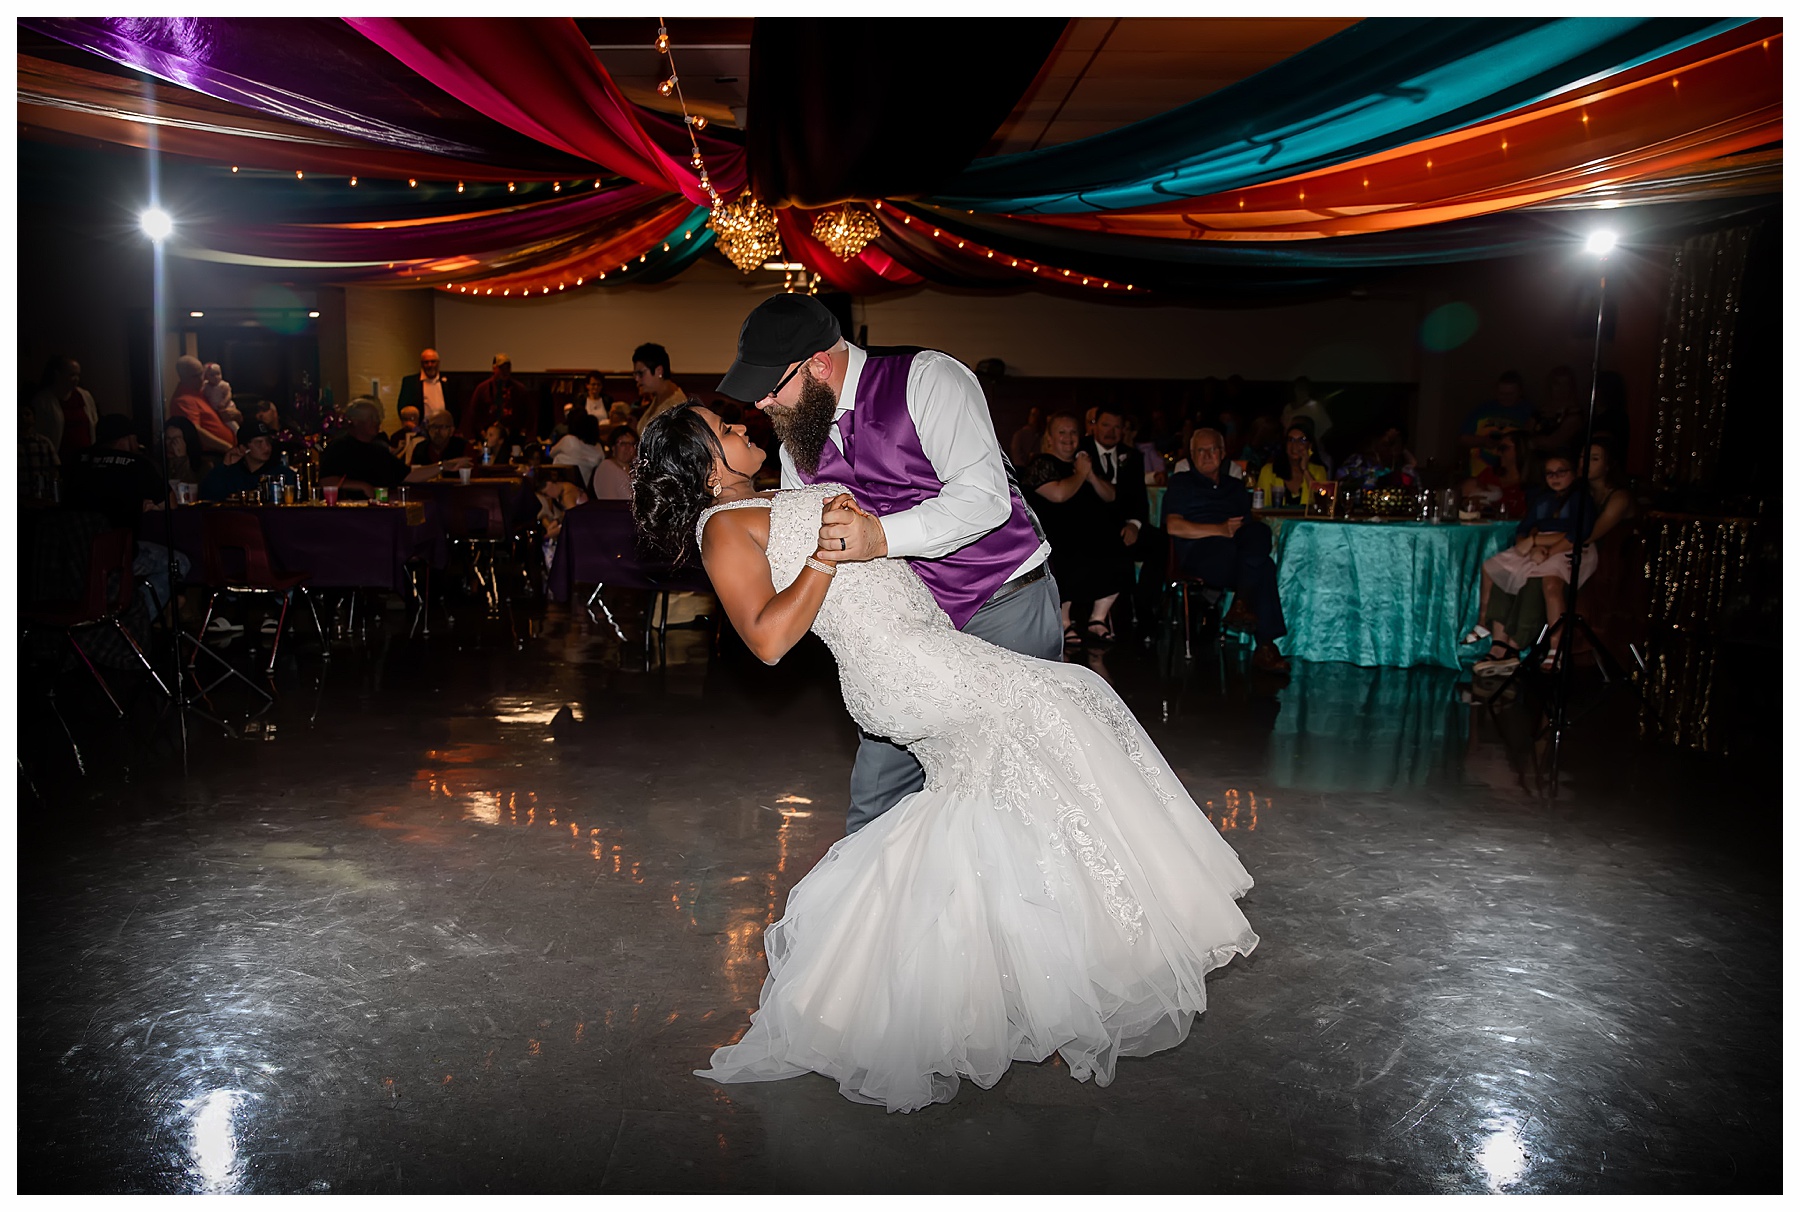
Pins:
x,y
746,231
845,230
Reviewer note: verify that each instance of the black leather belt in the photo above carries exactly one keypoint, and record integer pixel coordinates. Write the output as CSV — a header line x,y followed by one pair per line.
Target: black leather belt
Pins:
x,y
1019,582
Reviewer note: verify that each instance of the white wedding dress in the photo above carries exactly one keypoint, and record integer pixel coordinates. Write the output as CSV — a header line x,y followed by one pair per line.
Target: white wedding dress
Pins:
x,y
1052,889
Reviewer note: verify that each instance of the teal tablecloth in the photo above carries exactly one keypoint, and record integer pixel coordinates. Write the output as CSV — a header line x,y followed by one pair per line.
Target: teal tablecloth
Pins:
x,y
1382,593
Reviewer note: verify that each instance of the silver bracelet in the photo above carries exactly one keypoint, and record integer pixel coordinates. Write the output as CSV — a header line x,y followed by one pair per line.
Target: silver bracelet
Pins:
x,y
820,566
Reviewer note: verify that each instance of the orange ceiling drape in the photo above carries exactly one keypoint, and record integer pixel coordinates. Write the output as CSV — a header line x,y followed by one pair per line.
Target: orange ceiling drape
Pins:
x,y
1718,98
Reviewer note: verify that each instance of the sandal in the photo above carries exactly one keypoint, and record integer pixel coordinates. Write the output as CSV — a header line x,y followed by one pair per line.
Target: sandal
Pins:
x,y
1102,636
1071,637
1505,662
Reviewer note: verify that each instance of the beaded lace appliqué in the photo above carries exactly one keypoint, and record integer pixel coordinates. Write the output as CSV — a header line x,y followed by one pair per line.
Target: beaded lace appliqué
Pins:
x,y
985,723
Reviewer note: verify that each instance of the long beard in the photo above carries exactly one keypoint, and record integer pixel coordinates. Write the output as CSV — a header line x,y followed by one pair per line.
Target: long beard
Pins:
x,y
805,427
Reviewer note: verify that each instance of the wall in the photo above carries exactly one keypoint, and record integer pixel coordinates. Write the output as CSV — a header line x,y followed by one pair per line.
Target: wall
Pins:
x,y
383,334
697,318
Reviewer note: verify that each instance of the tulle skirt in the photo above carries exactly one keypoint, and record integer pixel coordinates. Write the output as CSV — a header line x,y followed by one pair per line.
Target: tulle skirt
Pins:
x,y
954,935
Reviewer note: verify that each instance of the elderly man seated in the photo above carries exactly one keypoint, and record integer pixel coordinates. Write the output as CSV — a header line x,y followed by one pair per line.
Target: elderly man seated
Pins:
x,y
1207,513
361,461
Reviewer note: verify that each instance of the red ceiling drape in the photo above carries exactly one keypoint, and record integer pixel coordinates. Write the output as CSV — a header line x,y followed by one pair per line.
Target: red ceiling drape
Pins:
x,y
538,76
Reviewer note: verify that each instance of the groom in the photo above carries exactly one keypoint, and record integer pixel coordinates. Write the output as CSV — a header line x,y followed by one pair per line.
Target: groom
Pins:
x,y
908,432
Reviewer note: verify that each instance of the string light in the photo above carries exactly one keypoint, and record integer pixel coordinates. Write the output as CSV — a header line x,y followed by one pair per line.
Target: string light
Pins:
x,y
556,187
413,182
352,180
510,187
459,187
690,122
234,168
301,176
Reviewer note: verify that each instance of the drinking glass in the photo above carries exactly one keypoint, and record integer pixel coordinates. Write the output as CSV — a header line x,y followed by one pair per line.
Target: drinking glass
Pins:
x,y
331,494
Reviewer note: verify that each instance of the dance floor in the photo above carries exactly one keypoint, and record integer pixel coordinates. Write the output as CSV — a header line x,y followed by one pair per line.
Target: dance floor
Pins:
x,y
460,916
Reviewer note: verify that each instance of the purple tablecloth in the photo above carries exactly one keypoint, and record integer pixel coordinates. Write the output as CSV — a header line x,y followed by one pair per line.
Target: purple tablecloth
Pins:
x,y
518,500
598,546
339,547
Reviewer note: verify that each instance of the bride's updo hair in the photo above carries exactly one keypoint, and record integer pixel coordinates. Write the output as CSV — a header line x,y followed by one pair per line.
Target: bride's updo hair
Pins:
x,y
675,459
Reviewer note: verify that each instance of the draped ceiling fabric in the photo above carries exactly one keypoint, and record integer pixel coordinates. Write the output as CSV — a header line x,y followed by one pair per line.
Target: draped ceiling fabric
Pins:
x,y
1380,84
872,107
497,155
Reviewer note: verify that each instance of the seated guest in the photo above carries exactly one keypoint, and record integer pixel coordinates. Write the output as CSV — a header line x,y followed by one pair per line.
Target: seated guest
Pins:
x,y
39,467
650,367
619,413
1294,470
1506,413
554,500
1076,505
441,443
409,435
360,461
580,447
1208,514
64,409
1383,462
1502,489
114,478
216,436
181,450
497,444
612,476
1540,556
245,467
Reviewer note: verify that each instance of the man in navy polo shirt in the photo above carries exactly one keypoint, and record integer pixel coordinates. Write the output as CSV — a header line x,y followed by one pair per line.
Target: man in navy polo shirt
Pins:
x,y
1208,514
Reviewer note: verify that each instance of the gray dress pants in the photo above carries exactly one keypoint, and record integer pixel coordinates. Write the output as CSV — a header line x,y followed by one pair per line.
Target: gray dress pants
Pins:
x,y
1027,621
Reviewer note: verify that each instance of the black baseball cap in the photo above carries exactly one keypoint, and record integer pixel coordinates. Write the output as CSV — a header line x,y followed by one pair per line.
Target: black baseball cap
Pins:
x,y
254,429
781,331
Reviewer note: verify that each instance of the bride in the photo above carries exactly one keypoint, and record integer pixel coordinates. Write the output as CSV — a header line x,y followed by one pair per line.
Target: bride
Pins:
x,y
1053,889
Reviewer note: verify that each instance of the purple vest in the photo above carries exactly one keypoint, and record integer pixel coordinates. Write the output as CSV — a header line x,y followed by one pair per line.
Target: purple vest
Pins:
x,y
884,463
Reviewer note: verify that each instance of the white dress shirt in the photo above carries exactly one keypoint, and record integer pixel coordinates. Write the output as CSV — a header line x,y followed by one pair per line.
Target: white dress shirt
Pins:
x,y
956,433
431,391
573,452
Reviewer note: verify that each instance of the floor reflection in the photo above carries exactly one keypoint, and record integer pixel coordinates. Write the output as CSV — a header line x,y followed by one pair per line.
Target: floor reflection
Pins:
x,y
1348,728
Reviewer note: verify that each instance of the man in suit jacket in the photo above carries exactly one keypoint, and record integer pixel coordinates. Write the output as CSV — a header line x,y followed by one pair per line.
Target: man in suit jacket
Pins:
x,y
1122,466
427,391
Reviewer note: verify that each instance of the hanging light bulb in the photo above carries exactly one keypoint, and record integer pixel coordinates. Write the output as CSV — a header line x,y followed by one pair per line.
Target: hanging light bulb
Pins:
x,y
662,39
413,181
667,87
299,175
556,187
459,187
352,179
699,121
511,186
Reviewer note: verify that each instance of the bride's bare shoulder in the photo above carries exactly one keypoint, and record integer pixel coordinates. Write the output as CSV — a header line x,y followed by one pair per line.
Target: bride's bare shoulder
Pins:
x,y
729,525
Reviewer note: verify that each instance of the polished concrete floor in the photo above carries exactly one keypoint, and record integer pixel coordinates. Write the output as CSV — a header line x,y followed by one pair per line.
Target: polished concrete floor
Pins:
x,y
462,915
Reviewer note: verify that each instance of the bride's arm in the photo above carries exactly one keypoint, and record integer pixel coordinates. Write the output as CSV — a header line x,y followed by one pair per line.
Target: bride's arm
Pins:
x,y
770,622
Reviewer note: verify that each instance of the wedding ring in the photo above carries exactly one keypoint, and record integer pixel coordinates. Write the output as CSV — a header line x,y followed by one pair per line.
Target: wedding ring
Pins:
x,y
843,544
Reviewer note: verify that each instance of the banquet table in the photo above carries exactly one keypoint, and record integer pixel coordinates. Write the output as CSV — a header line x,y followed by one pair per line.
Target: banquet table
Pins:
x,y
1387,593
345,546
518,498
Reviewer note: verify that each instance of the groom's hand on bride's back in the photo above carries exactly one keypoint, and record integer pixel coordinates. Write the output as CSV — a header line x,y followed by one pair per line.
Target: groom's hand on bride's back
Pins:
x,y
849,533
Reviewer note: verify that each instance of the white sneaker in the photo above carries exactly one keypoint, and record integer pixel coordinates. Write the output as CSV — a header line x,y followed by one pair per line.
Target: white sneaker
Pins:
x,y
222,626
271,626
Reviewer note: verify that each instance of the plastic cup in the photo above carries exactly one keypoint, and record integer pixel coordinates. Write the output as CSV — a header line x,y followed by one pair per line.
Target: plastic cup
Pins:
x,y
331,491
462,473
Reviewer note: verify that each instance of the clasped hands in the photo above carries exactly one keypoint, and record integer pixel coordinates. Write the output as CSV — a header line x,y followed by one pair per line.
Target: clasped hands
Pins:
x,y
848,533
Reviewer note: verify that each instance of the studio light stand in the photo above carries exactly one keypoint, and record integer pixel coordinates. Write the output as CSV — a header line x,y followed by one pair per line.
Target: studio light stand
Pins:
x,y
1572,623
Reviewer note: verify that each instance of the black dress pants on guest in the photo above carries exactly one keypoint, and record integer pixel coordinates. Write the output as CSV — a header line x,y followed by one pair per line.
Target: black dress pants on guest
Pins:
x,y
1243,563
